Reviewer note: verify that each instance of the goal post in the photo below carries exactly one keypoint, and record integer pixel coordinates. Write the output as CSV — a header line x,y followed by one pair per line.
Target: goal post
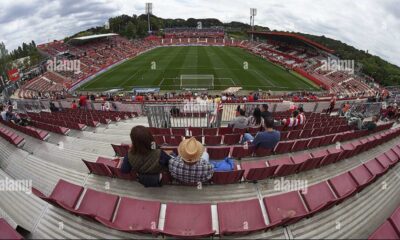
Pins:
x,y
197,81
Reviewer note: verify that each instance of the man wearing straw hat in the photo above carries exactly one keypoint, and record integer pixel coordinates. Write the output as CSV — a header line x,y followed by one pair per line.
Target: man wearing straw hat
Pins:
x,y
192,165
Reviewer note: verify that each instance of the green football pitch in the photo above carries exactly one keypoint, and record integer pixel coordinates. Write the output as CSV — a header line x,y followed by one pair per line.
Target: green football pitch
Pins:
x,y
225,66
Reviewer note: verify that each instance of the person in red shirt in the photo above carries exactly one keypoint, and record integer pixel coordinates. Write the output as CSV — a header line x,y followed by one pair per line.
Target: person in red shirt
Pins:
x,y
250,98
73,105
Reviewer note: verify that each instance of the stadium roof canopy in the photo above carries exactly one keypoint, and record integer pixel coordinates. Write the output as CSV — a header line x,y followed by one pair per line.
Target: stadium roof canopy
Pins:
x,y
95,36
296,37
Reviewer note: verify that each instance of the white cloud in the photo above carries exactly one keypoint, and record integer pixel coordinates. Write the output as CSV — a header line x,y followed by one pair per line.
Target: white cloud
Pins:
x,y
369,24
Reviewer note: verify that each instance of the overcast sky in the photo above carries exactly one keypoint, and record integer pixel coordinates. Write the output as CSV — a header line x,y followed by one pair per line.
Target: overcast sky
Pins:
x,y
372,25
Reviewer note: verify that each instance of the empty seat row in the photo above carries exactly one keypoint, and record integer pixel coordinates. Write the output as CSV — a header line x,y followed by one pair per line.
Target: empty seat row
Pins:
x,y
28,130
50,127
261,169
12,137
61,123
241,217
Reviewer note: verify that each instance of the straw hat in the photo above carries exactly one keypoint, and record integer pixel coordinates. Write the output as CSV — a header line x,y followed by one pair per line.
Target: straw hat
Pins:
x,y
190,150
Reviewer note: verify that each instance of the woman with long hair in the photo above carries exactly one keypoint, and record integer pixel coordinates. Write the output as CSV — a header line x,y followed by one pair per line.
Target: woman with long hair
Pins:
x,y
144,158
256,120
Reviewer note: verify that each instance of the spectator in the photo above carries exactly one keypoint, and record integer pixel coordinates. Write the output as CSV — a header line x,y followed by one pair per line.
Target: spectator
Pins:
x,y
53,107
331,105
256,121
346,108
266,139
264,111
73,105
83,102
293,121
3,113
192,165
143,158
301,117
240,121
368,125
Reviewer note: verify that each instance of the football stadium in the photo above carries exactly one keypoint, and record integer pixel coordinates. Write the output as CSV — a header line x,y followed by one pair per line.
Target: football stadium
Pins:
x,y
149,127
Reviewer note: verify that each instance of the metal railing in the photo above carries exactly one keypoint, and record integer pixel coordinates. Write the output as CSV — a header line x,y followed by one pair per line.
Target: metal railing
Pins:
x,y
186,114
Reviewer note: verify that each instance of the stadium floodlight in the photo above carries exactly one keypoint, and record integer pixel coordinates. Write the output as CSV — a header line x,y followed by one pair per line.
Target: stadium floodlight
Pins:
x,y
253,13
149,11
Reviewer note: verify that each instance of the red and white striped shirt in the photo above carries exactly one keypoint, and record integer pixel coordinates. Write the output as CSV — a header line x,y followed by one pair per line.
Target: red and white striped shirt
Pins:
x,y
302,118
291,122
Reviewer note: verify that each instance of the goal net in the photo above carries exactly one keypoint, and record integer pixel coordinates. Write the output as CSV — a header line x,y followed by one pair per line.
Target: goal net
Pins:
x,y
197,81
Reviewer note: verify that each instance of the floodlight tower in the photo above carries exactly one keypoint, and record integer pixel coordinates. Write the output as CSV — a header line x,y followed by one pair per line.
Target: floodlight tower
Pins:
x,y
149,11
253,13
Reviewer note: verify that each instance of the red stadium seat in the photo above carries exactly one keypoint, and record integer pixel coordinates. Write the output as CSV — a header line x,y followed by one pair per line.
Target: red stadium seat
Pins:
x,y
303,160
376,168
343,185
283,147
227,177
300,145
65,194
395,219
210,131
283,209
262,152
96,204
240,217
318,197
159,139
120,150
224,130
212,140
231,139
178,131
391,154
195,131
188,220
241,152
257,170
116,172
314,142
362,176
385,161
7,232
164,131
385,231
98,168
134,216
286,166
173,140
218,153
